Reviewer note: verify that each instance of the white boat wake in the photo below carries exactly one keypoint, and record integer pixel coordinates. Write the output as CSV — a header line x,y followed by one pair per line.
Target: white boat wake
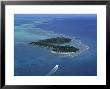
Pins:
x,y
52,71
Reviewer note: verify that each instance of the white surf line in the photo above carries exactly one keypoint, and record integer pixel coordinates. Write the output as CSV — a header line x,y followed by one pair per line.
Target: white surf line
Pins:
x,y
52,71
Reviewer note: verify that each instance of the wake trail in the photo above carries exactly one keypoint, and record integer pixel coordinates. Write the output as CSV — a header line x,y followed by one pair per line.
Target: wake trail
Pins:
x,y
52,71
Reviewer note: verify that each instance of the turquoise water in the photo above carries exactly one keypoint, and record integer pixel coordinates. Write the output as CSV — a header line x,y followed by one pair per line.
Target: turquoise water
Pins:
x,y
31,60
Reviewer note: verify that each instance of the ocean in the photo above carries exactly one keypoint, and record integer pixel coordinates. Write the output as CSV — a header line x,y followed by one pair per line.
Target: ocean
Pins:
x,y
31,60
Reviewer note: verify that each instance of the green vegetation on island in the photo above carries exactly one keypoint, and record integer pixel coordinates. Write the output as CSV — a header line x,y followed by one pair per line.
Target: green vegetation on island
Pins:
x,y
55,44
65,48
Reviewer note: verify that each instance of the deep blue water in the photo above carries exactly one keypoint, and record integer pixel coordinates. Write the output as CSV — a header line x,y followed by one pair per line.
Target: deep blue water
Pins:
x,y
31,60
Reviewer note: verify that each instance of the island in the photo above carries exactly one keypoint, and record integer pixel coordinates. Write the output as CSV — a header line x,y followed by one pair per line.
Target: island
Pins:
x,y
57,44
